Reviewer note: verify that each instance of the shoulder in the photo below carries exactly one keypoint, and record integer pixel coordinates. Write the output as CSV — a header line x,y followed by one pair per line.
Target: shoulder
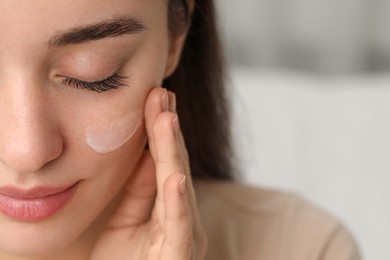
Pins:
x,y
255,223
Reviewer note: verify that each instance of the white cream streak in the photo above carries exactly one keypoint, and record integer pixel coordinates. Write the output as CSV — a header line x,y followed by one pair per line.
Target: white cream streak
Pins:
x,y
105,137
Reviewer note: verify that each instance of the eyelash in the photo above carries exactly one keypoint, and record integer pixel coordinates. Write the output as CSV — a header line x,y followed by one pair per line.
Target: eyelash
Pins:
x,y
113,82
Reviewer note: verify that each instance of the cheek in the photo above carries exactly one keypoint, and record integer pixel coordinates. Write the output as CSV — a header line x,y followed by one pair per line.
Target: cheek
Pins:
x,y
107,136
145,71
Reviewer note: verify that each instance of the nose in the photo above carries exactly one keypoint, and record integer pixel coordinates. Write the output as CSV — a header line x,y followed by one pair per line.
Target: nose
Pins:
x,y
28,135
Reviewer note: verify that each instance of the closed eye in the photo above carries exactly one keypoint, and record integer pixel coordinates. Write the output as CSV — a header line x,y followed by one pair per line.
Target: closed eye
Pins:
x,y
113,82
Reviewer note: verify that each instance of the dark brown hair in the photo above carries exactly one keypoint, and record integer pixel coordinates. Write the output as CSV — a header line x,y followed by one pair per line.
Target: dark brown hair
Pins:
x,y
199,84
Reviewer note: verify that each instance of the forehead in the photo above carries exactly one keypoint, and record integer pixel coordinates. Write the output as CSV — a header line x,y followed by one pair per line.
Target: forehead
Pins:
x,y
27,26
29,20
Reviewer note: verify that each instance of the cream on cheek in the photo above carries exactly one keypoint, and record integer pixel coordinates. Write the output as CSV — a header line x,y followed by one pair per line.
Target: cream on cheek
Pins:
x,y
107,136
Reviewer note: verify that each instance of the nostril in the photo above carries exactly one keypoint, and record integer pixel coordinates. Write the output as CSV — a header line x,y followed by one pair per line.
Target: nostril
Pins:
x,y
28,151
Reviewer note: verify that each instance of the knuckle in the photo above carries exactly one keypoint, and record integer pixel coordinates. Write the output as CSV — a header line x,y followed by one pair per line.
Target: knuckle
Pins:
x,y
164,120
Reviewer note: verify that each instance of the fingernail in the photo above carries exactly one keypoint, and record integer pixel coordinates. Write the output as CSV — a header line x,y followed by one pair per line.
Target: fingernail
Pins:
x,y
165,101
175,125
174,103
182,186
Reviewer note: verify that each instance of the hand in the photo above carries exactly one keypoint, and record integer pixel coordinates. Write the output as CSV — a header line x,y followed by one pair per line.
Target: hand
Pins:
x,y
157,218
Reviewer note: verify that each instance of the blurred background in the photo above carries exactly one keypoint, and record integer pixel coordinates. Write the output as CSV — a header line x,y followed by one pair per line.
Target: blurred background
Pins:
x,y
310,81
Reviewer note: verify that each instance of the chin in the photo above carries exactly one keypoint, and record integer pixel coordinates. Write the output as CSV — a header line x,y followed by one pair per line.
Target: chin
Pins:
x,y
33,240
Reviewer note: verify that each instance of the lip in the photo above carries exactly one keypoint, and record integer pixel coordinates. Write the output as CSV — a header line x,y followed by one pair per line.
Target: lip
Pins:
x,y
34,204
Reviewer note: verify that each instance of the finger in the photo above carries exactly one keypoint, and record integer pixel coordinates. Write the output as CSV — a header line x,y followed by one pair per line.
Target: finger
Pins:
x,y
179,163
138,195
178,239
156,102
168,158
200,238
182,147
180,140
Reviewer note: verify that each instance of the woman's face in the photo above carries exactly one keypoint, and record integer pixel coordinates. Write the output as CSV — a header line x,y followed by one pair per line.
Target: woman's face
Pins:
x,y
57,130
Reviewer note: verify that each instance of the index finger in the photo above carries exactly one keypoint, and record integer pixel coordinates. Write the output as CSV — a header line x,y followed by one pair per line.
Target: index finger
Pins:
x,y
156,102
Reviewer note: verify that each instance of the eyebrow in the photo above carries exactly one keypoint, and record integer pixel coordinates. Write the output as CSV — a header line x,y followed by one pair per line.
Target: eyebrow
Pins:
x,y
104,29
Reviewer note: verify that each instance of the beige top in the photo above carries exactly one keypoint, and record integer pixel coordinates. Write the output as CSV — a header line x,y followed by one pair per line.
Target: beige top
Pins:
x,y
246,223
